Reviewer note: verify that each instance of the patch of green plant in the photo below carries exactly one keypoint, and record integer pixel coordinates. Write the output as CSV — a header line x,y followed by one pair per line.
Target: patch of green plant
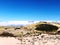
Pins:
x,y
46,27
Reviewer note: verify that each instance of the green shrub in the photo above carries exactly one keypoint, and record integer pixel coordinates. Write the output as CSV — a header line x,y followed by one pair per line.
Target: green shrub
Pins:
x,y
46,27
6,34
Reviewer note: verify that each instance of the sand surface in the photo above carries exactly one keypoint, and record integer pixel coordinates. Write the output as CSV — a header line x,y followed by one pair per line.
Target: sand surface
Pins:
x,y
9,41
34,40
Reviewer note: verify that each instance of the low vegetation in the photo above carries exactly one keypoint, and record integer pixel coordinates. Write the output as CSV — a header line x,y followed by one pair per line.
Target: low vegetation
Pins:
x,y
6,34
46,27
29,30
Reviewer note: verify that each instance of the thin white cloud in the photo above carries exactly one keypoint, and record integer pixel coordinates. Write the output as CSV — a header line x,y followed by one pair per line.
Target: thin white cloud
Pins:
x,y
20,22
16,23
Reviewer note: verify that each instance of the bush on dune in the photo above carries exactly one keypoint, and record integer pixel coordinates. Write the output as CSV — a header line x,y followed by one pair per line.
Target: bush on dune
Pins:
x,y
6,34
46,27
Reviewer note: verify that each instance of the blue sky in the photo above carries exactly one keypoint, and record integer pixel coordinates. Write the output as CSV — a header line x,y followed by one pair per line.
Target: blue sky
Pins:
x,y
29,10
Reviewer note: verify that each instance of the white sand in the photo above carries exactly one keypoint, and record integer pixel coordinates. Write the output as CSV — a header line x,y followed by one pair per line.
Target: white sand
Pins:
x,y
9,41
